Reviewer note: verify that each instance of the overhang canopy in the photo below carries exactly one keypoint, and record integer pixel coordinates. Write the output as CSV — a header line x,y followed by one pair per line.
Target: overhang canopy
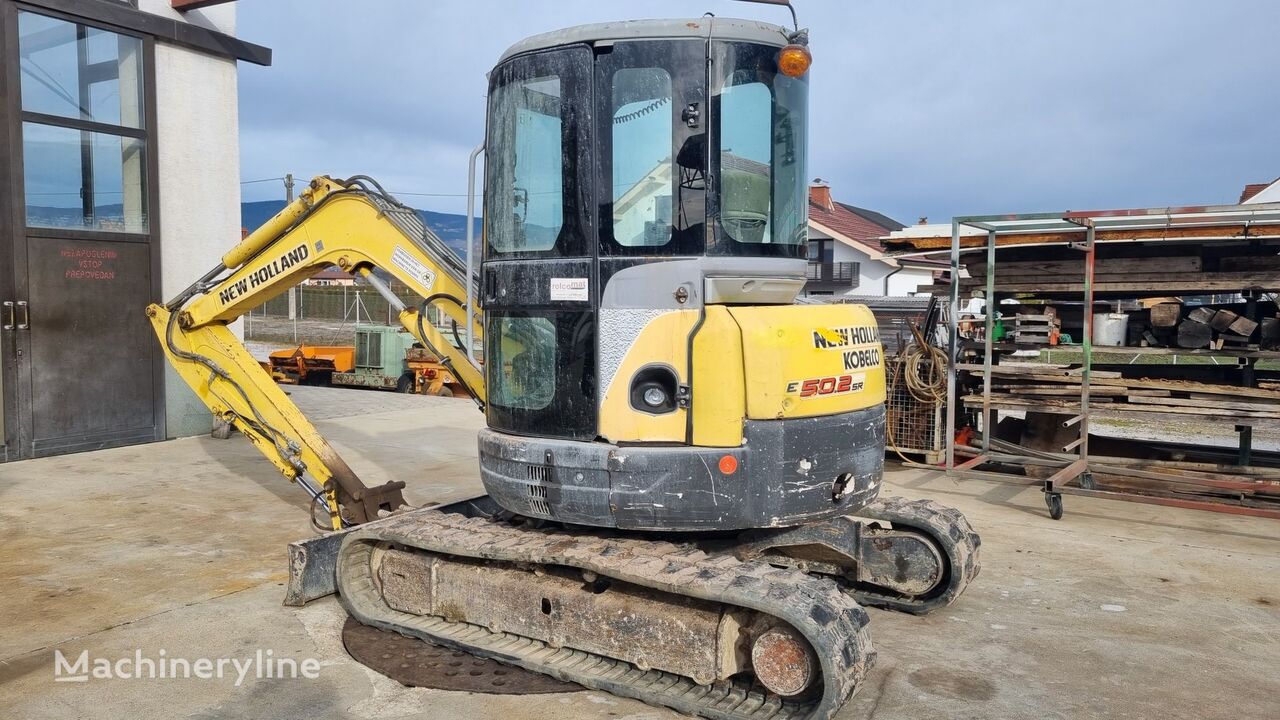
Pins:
x,y
165,29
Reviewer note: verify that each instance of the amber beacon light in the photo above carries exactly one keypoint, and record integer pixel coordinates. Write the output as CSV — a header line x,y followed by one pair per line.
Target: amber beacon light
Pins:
x,y
794,60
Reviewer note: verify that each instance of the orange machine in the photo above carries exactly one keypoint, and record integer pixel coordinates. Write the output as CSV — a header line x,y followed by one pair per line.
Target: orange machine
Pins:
x,y
310,364
432,377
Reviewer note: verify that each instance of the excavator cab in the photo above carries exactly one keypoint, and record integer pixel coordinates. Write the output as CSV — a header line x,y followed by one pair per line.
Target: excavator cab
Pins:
x,y
645,222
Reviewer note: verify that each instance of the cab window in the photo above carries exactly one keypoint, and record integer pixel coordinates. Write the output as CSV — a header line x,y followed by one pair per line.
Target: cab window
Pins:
x,y
535,146
642,127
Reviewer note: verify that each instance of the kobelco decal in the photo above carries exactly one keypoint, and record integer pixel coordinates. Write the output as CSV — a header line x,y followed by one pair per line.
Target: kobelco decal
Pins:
x,y
843,337
264,274
859,359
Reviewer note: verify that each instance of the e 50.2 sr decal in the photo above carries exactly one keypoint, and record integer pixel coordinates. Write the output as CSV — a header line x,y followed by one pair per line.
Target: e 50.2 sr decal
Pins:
x,y
824,386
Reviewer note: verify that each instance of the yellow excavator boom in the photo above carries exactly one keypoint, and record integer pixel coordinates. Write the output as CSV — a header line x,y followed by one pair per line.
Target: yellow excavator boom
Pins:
x,y
360,228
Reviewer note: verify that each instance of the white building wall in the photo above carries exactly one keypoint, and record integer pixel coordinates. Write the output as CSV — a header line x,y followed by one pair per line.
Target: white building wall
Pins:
x,y
197,136
906,282
872,274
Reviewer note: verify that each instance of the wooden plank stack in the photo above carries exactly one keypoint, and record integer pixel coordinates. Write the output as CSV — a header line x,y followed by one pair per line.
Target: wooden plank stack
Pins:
x,y
1056,388
1111,275
1128,276
1037,328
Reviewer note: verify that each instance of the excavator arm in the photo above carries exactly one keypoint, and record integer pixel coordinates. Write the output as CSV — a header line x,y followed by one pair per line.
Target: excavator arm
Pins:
x,y
357,226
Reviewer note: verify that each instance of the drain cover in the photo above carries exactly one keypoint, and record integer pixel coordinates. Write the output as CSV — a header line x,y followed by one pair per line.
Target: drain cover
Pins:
x,y
417,663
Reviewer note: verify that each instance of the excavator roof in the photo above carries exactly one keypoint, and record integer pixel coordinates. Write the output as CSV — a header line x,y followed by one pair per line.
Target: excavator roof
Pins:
x,y
720,28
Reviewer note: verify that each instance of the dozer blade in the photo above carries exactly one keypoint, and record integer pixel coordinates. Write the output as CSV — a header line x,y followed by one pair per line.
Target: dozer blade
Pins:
x,y
313,562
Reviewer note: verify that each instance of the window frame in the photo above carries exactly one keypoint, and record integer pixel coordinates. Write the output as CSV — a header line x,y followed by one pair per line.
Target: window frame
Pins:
x,y
576,233
674,56
728,57
657,108
500,392
17,116
572,413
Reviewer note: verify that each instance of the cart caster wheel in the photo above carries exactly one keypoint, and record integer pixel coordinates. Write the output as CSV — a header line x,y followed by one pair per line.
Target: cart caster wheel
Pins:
x,y
1054,501
221,430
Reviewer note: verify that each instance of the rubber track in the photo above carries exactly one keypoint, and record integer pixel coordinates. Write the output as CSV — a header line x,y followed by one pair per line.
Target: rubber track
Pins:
x,y
828,617
950,532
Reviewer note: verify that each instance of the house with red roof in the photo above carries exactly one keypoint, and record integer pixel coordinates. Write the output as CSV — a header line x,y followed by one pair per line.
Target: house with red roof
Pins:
x,y
846,256
1255,193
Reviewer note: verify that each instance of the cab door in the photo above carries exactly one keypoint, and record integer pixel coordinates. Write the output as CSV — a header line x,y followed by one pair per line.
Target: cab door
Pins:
x,y
539,288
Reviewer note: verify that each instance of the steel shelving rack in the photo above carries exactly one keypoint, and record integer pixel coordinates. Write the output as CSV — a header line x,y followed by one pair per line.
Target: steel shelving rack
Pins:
x,y
1080,231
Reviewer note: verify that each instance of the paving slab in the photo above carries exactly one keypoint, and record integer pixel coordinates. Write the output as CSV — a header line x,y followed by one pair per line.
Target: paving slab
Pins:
x,y
1117,610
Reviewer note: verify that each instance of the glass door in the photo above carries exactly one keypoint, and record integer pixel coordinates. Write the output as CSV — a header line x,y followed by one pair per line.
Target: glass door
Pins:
x,y
77,246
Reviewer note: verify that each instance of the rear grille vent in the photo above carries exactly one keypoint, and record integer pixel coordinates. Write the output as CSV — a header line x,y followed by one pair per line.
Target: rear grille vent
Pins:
x,y
538,499
540,476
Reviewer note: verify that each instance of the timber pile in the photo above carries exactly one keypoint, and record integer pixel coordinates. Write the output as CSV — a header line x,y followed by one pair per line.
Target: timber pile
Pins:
x,y
1128,276
1055,388
1202,323
1204,233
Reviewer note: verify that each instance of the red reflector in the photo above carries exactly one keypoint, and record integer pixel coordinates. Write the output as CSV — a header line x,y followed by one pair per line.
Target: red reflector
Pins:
x,y
728,464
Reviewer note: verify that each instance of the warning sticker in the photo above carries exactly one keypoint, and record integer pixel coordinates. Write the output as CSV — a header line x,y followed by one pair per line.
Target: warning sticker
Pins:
x,y
569,289
412,265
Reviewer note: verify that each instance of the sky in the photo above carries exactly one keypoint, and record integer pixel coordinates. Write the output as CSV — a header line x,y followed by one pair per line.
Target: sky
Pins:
x,y
928,108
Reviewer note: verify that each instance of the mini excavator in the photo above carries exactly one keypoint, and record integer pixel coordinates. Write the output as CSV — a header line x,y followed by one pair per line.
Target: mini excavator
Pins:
x,y
682,467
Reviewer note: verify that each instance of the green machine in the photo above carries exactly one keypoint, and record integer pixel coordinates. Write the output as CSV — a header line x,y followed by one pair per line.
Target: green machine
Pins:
x,y
380,360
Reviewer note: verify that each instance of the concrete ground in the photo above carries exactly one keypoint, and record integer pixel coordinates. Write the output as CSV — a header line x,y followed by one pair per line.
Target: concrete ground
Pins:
x,y
1118,610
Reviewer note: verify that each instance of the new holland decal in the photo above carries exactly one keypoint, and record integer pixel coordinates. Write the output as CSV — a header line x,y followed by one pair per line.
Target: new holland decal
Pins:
x,y
842,338
264,274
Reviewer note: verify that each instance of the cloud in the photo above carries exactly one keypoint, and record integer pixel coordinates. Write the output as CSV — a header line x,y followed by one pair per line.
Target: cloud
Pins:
x,y
928,108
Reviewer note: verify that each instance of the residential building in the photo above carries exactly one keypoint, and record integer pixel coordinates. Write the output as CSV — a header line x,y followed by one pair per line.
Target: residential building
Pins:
x,y
846,256
1261,193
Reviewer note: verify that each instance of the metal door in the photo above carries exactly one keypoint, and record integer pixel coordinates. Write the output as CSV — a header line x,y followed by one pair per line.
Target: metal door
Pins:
x,y
78,258
11,199
88,357
8,355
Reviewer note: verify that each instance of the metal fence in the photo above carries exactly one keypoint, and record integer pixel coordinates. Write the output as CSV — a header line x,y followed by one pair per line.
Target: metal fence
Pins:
x,y
354,303
914,427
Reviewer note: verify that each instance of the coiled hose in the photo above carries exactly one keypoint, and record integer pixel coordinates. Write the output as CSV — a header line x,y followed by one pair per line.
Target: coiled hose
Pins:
x,y
921,368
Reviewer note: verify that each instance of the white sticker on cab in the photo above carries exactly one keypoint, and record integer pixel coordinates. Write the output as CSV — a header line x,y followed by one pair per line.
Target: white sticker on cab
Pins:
x,y
569,289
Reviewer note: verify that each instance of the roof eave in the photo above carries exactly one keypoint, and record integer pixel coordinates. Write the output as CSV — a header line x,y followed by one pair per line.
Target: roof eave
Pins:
x,y
871,251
